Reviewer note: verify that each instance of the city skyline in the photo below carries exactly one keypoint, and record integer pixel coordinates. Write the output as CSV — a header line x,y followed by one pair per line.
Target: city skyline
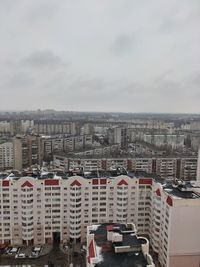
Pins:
x,y
127,56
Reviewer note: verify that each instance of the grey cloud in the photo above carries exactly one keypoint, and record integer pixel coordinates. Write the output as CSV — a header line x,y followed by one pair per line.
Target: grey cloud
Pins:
x,y
45,9
42,59
89,55
123,44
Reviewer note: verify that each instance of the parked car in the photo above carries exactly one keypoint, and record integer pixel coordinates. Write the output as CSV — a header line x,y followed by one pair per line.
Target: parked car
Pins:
x,y
20,255
34,254
13,250
65,247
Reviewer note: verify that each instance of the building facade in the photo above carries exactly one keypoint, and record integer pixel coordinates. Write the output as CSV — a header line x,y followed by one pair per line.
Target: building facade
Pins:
x,y
27,151
44,211
166,167
6,156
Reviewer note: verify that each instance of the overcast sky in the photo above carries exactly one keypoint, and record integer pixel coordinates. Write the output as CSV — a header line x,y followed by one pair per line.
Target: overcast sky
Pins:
x,y
100,55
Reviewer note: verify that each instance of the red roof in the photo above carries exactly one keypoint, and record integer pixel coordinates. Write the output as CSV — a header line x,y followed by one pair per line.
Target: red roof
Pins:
x,y
75,183
91,251
28,184
103,181
95,181
122,182
51,182
169,201
158,192
5,183
109,227
145,181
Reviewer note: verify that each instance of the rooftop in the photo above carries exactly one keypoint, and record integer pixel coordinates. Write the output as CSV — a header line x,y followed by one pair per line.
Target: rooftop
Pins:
x,y
182,189
118,245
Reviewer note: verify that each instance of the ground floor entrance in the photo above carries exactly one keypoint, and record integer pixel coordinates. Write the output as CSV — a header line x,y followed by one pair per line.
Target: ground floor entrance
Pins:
x,y
56,238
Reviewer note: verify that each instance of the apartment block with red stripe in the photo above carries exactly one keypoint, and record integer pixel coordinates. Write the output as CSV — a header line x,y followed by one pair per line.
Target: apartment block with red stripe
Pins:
x,y
38,211
175,221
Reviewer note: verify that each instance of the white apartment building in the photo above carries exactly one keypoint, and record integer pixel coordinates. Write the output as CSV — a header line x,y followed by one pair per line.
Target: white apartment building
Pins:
x,y
52,127
88,165
50,145
16,127
6,156
175,221
5,127
188,168
198,166
43,211
35,210
165,167
171,140
141,164
79,142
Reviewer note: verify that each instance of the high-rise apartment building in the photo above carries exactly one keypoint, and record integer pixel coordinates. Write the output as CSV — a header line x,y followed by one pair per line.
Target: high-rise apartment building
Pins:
x,y
41,211
175,220
27,151
119,135
198,166
6,156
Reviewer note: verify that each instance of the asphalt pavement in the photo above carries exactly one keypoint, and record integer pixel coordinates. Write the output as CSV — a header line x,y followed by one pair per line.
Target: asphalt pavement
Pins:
x,y
56,258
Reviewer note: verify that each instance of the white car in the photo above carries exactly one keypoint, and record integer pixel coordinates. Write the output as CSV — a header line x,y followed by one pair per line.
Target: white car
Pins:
x,y
66,248
13,250
20,255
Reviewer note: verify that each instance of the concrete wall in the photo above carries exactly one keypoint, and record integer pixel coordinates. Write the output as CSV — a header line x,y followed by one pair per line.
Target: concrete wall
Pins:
x,y
185,235
184,261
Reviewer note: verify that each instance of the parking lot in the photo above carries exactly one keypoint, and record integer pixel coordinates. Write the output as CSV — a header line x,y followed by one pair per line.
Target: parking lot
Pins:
x,y
25,252
50,256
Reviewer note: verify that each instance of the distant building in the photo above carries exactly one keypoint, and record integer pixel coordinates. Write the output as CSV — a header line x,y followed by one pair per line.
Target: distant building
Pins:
x,y
27,151
119,136
195,141
166,167
198,166
14,127
5,127
6,156
195,125
56,127
173,141
57,144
